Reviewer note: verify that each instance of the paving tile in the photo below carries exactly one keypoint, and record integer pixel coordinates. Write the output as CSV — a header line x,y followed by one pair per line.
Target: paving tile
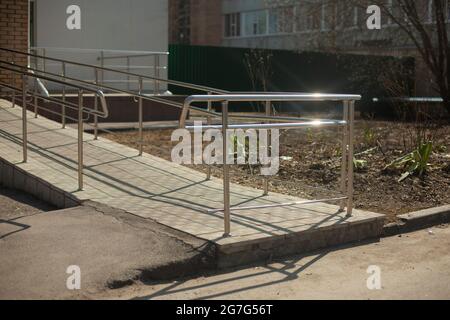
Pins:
x,y
151,187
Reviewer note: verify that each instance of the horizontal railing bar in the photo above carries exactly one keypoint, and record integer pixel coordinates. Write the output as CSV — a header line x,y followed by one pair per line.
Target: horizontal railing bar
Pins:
x,y
99,50
287,204
272,125
411,99
103,129
31,73
269,118
50,65
273,97
56,112
137,95
49,110
67,104
28,72
135,67
132,56
173,82
278,97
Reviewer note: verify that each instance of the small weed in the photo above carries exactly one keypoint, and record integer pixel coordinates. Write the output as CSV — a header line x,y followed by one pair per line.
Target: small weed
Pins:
x,y
370,137
359,165
415,162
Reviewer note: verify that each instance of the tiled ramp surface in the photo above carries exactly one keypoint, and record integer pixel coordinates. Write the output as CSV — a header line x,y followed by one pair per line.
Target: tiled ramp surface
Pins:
x,y
174,195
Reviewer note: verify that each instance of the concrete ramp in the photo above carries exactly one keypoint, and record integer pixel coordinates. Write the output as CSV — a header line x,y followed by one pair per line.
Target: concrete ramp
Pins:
x,y
112,249
170,194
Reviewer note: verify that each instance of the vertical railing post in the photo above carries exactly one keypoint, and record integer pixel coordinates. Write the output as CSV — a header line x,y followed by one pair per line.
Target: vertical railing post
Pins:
x,y
35,105
226,172
80,139
266,178
350,159
157,72
128,70
208,120
13,76
44,62
344,160
96,108
141,138
63,111
102,64
24,118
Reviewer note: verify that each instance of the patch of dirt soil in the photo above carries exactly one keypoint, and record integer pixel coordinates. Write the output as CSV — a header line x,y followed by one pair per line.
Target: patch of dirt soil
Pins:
x,y
314,169
14,203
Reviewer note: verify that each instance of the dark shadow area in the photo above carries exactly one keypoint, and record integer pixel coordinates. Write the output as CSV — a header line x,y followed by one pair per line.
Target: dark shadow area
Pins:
x,y
14,205
289,269
20,203
20,226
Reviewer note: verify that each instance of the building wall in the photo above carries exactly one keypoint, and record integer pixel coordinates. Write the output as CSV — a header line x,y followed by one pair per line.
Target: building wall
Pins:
x,y
128,25
206,22
179,22
105,24
196,22
343,32
13,32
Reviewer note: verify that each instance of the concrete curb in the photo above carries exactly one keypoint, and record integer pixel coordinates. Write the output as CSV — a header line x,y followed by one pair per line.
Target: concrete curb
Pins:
x,y
13,177
418,220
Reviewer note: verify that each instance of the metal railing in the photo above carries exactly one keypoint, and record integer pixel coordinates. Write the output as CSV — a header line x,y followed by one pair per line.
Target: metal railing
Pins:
x,y
346,183
25,92
138,95
156,67
422,100
266,121
145,62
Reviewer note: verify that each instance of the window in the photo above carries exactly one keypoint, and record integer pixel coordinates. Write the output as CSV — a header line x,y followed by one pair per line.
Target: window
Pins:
x,y
385,18
255,22
431,12
328,16
341,14
448,9
356,16
312,16
233,25
300,16
347,15
281,20
32,24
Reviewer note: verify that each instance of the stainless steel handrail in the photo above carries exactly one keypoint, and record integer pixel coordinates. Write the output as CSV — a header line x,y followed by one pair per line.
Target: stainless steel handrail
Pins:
x,y
214,95
173,82
139,55
255,97
346,185
410,99
137,96
26,74
102,55
98,93
140,95
41,86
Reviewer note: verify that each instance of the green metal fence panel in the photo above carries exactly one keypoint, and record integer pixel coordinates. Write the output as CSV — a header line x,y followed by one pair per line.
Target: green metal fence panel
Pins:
x,y
228,68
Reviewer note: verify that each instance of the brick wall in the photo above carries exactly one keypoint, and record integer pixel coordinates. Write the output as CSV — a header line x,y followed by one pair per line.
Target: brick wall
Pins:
x,y
195,22
13,32
206,22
